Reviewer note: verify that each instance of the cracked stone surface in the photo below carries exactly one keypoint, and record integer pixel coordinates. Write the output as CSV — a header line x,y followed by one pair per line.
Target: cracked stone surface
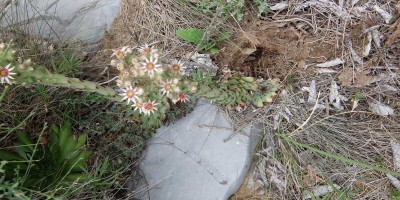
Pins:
x,y
65,20
198,157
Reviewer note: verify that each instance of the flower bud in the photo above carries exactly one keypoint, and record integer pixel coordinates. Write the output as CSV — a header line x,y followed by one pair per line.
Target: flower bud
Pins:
x,y
114,62
27,62
120,66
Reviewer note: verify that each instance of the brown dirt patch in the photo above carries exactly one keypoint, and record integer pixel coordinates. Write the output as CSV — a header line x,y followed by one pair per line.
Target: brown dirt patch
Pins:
x,y
275,49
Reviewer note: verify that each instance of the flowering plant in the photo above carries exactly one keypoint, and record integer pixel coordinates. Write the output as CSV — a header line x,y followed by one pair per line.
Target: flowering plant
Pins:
x,y
149,86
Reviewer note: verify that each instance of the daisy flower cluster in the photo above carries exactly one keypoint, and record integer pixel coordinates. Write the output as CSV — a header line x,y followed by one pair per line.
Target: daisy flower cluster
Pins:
x,y
147,84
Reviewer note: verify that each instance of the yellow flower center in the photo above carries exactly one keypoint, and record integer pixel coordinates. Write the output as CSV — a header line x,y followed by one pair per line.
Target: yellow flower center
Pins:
x,y
147,50
130,93
139,104
3,72
120,54
176,67
149,66
149,106
167,86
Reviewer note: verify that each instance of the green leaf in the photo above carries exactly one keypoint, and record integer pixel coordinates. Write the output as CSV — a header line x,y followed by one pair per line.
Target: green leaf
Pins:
x,y
53,143
207,45
339,157
78,163
76,177
103,167
214,50
191,35
223,36
55,128
68,146
9,156
65,133
26,140
81,141
22,149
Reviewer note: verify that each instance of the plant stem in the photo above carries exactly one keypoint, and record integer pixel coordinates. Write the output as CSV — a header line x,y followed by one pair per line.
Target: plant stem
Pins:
x,y
3,93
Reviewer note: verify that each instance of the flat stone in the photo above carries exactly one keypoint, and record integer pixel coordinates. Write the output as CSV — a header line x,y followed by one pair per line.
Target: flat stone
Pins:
x,y
65,20
198,157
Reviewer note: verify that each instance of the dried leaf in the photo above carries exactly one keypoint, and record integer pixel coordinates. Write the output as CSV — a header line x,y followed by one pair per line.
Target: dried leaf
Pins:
x,y
261,167
248,51
398,8
326,71
395,182
376,37
346,76
396,154
323,5
312,92
392,38
380,108
367,45
280,184
353,2
279,6
312,95
355,104
385,15
321,191
364,80
354,54
311,178
301,64
337,61
386,88
334,97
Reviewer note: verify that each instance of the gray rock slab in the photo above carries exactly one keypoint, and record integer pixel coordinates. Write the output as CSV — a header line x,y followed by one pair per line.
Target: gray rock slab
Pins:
x,y
192,158
65,20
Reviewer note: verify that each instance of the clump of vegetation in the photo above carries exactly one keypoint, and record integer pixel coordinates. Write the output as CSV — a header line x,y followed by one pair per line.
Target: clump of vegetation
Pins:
x,y
223,8
235,90
232,8
149,92
50,162
198,38
116,133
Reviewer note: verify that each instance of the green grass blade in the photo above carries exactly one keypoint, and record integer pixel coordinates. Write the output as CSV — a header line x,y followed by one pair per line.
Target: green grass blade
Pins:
x,y
341,158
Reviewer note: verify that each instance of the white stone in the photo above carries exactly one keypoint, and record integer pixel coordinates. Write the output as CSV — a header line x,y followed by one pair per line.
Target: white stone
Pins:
x,y
192,159
61,20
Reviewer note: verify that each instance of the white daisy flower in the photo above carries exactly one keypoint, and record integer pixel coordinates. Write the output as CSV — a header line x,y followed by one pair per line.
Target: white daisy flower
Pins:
x,y
193,89
146,50
151,67
138,105
177,67
149,107
182,97
130,94
121,52
114,62
6,74
167,87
